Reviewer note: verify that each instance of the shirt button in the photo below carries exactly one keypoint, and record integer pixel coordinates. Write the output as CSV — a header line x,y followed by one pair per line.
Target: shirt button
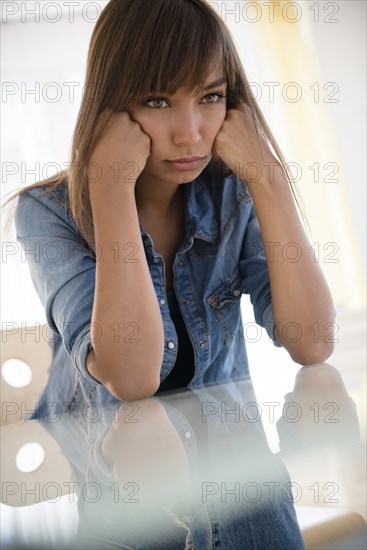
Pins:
x,y
202,343
236,292
179,263
156,260
186,301
171,345
162,302
187,435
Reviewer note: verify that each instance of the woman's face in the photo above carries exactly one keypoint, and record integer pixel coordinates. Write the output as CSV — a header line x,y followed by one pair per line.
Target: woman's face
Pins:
x,y
182,128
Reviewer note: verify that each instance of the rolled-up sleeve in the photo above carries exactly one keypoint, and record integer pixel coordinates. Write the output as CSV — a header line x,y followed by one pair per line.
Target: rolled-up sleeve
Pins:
x,y
255,276
62,268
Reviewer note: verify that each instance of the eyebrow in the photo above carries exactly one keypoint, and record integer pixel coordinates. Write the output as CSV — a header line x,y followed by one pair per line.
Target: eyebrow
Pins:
x,y
215,84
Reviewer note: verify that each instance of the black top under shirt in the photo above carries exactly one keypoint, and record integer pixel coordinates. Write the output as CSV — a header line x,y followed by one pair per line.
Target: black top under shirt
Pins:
x,y
183,369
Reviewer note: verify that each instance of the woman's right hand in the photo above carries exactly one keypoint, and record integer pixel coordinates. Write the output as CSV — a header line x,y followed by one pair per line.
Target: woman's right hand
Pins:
x,y
120,154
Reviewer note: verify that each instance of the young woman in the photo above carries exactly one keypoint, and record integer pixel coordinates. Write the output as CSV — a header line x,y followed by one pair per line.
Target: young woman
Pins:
x,y
177,201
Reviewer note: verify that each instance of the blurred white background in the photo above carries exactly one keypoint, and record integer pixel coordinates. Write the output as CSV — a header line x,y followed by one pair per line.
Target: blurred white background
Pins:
x,y
306,62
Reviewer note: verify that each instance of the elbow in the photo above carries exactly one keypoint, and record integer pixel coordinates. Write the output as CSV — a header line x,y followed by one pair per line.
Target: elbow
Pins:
x,y
307,351
312,354
132,391
122,384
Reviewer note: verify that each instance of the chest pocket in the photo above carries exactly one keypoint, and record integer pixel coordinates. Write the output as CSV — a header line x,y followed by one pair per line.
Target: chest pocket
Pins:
x,y
225,302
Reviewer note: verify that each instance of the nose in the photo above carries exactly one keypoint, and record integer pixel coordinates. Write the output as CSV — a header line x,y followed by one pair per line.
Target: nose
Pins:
x,y
187,128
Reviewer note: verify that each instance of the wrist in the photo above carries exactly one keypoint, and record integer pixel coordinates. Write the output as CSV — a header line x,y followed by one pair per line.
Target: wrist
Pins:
x,y
266,172
266,175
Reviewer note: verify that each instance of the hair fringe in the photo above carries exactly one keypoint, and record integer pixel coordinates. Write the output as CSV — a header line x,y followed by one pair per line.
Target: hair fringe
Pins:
x,y
124,50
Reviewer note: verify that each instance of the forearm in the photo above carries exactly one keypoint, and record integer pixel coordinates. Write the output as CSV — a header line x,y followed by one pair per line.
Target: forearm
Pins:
x,y
302,305
126,320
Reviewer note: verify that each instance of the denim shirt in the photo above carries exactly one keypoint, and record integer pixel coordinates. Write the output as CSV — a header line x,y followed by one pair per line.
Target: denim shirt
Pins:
x,y
221,257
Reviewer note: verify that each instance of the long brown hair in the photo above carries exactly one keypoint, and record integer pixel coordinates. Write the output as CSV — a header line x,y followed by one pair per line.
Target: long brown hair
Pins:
x,y
138,47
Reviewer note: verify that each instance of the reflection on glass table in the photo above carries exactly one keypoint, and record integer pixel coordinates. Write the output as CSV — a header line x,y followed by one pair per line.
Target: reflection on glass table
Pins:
x,y
192,469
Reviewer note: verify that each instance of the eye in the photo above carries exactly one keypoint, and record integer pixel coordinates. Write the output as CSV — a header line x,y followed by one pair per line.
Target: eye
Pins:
x,y
213,98
155,102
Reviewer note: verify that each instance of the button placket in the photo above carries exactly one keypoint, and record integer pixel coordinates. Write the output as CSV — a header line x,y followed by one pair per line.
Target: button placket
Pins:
x,y
187,301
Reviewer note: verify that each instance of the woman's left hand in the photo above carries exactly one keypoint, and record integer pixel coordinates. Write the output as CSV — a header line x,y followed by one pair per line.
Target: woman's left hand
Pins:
x,y
242,147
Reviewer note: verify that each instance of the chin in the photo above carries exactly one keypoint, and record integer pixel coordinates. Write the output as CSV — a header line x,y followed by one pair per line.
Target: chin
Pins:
x,y
186,177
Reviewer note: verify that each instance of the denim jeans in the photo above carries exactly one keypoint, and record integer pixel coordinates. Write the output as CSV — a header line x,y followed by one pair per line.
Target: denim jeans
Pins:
x,y
230,527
